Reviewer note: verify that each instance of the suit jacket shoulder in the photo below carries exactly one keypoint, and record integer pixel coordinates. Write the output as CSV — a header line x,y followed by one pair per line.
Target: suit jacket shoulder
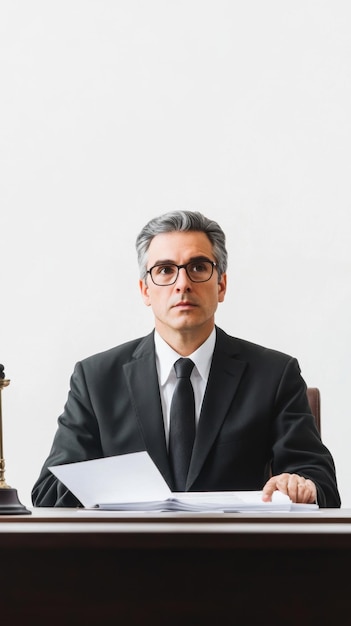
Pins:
x,y
118,355
250,352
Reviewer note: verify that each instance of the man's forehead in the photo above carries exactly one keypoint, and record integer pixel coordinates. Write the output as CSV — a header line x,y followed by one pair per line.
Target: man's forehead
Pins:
x,y
196,242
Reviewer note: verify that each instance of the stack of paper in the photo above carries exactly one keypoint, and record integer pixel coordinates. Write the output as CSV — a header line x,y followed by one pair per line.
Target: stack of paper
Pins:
x,y
132,482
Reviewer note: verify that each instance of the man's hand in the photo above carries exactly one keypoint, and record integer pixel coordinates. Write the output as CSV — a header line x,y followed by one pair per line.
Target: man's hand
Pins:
x,y
298,489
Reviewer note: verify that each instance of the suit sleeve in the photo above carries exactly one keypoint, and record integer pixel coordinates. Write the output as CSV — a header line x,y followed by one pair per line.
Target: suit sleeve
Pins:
x,y
77,439
297,446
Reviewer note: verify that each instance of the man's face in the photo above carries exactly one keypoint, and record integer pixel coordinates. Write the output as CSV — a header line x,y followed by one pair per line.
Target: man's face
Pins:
x,y
184,306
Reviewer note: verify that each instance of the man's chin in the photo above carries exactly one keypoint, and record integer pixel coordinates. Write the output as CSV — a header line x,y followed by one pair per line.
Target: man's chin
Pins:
x,y
187,323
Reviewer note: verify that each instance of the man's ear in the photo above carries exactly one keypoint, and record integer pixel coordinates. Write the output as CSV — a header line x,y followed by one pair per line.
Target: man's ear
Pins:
x,y
222,287
144,290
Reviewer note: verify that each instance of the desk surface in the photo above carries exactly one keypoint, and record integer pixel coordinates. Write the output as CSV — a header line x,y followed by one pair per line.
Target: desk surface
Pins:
x,y
74,515
322,528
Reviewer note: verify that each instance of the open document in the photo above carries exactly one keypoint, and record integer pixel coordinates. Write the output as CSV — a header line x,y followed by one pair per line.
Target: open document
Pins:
x,y
132,482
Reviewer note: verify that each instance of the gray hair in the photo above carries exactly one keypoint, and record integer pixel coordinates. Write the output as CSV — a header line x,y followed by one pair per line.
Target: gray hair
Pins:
x,y
182,221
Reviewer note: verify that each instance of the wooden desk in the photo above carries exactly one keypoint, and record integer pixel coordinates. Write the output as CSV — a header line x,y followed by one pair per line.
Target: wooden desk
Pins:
x,y
77,567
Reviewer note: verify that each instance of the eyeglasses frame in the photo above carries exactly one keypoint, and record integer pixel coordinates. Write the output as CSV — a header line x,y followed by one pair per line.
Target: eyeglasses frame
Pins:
x,y
180,267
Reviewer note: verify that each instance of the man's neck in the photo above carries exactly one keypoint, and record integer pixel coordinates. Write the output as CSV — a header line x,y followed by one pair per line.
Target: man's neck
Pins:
x,y
184,342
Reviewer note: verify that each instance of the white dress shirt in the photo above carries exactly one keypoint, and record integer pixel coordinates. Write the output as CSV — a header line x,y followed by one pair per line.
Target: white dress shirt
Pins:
x,y
165,359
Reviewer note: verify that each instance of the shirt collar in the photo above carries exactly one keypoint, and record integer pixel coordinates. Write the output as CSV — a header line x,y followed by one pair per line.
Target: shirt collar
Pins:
x,y
166,357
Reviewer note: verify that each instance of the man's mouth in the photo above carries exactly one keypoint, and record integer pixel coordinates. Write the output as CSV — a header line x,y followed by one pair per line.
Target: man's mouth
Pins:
x,y
184,304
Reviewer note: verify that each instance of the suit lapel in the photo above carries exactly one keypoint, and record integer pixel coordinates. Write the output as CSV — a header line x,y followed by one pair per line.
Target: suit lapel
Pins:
x,y
223,381
224,378
142,381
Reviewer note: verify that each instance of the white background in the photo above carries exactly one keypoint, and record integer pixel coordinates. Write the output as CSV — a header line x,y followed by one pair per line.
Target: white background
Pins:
x,y
112,112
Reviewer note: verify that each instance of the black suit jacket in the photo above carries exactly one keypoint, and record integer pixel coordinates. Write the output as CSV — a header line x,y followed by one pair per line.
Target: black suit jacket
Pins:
x,y
255,419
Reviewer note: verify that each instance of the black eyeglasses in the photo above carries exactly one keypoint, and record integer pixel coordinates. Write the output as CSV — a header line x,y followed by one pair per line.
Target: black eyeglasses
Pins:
x,y
199,271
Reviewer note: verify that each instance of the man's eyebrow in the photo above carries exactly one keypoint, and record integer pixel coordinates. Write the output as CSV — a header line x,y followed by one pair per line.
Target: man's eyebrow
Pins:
x,y
191,260
200,258
164,262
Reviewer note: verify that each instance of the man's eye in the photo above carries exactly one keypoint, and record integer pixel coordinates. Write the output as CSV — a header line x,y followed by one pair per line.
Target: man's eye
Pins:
x,y
198,268
165,270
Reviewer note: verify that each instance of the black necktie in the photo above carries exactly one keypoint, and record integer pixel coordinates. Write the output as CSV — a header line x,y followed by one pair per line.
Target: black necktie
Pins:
x,y
182,423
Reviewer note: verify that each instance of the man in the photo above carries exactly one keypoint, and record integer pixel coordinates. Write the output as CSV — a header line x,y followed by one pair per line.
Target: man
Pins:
x,y
253,426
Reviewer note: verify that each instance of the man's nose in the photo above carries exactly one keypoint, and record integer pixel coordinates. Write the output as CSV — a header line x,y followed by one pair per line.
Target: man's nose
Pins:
x,y
183,280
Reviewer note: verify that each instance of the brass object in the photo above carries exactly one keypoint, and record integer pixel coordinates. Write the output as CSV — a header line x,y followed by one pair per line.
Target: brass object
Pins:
x,y
3,383
9,501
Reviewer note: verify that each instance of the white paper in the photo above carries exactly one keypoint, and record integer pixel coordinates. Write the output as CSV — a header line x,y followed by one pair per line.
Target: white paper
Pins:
x,y
113,479
133,482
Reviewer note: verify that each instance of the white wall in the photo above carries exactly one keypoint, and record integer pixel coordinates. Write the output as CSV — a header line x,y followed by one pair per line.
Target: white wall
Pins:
x,y
112,112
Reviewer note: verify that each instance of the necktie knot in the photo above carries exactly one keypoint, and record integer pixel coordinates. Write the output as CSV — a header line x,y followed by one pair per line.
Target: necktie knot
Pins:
x,y
183,368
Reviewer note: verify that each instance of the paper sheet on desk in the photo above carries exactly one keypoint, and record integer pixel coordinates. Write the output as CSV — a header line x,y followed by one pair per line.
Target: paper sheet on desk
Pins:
x,y
132,482
113,479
